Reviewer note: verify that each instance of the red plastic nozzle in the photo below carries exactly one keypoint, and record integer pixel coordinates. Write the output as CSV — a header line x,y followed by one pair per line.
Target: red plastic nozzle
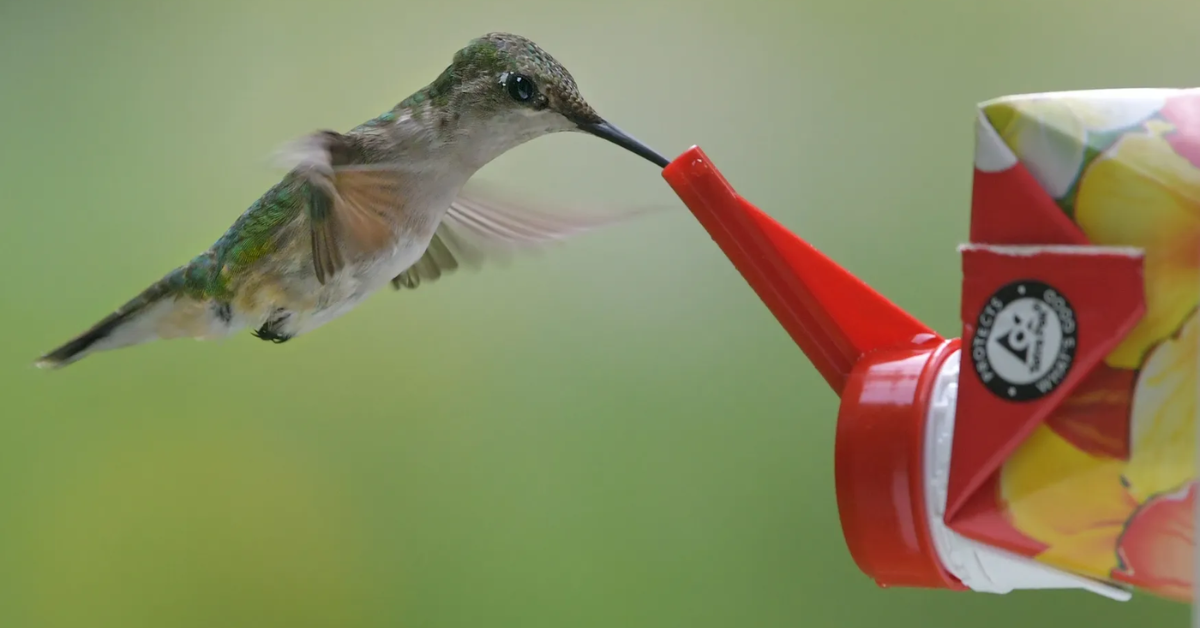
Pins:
x,y
878,359
832,315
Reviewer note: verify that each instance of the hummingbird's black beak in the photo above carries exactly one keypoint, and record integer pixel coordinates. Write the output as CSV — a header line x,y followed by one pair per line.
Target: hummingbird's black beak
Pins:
x,y
611,133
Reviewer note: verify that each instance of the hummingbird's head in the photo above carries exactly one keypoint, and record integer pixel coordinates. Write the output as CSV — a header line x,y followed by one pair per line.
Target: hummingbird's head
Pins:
x,y
502,90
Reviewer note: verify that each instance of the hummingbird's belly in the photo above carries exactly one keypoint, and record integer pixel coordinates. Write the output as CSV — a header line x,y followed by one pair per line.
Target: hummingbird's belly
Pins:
x,y
355,283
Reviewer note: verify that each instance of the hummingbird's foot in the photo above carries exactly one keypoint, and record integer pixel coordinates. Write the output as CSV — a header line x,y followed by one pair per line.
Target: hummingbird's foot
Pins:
x,y
270,329
262,333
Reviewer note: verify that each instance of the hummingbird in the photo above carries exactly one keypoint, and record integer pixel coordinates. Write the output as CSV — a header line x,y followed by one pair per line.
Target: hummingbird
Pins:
x,y
384,203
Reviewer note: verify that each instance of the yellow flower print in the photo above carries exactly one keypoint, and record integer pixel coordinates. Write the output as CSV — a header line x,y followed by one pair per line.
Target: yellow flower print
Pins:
x,y
1142,193
1071,501
1163,426
1092,511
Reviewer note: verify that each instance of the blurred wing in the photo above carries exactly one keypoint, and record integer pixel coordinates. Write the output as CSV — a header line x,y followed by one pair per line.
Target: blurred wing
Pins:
x,y
348,203
482,226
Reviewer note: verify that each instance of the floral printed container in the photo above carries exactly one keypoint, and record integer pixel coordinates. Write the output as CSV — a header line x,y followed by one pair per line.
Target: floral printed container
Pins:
x,y
1082,457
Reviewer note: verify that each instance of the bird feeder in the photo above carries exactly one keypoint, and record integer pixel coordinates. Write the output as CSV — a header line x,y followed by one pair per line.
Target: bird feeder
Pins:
x,y
1053,443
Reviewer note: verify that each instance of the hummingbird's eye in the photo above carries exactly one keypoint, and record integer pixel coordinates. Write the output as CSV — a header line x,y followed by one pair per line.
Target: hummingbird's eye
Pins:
x,y
520,88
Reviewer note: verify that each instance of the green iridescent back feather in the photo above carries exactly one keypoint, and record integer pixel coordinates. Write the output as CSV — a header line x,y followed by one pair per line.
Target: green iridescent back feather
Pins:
x,y
252,236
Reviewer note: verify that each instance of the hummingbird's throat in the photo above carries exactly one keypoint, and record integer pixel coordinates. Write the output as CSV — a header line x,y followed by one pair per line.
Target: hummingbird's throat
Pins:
x,y
479,140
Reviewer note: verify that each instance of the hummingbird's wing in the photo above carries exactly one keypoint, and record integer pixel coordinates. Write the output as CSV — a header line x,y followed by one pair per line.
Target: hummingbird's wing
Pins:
x,y
481,225
350,212
347,205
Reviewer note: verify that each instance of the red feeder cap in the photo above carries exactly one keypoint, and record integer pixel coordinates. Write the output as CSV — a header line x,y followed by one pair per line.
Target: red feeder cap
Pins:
x,y
880,465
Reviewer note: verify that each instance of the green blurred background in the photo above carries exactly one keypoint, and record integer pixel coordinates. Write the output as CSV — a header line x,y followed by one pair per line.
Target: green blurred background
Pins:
x,y
615,433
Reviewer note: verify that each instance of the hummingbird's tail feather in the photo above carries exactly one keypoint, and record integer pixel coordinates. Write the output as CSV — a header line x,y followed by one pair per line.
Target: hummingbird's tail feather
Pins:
x,y
159,312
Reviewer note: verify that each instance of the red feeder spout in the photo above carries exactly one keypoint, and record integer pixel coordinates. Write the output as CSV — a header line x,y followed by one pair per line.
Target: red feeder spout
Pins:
x,y
832,315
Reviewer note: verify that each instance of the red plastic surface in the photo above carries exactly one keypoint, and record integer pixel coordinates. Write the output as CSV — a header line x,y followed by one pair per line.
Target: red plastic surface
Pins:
x,y
878,466
877,357
832,315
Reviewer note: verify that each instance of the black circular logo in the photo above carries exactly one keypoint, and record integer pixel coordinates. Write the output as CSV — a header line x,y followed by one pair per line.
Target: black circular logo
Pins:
x,y
1024,342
